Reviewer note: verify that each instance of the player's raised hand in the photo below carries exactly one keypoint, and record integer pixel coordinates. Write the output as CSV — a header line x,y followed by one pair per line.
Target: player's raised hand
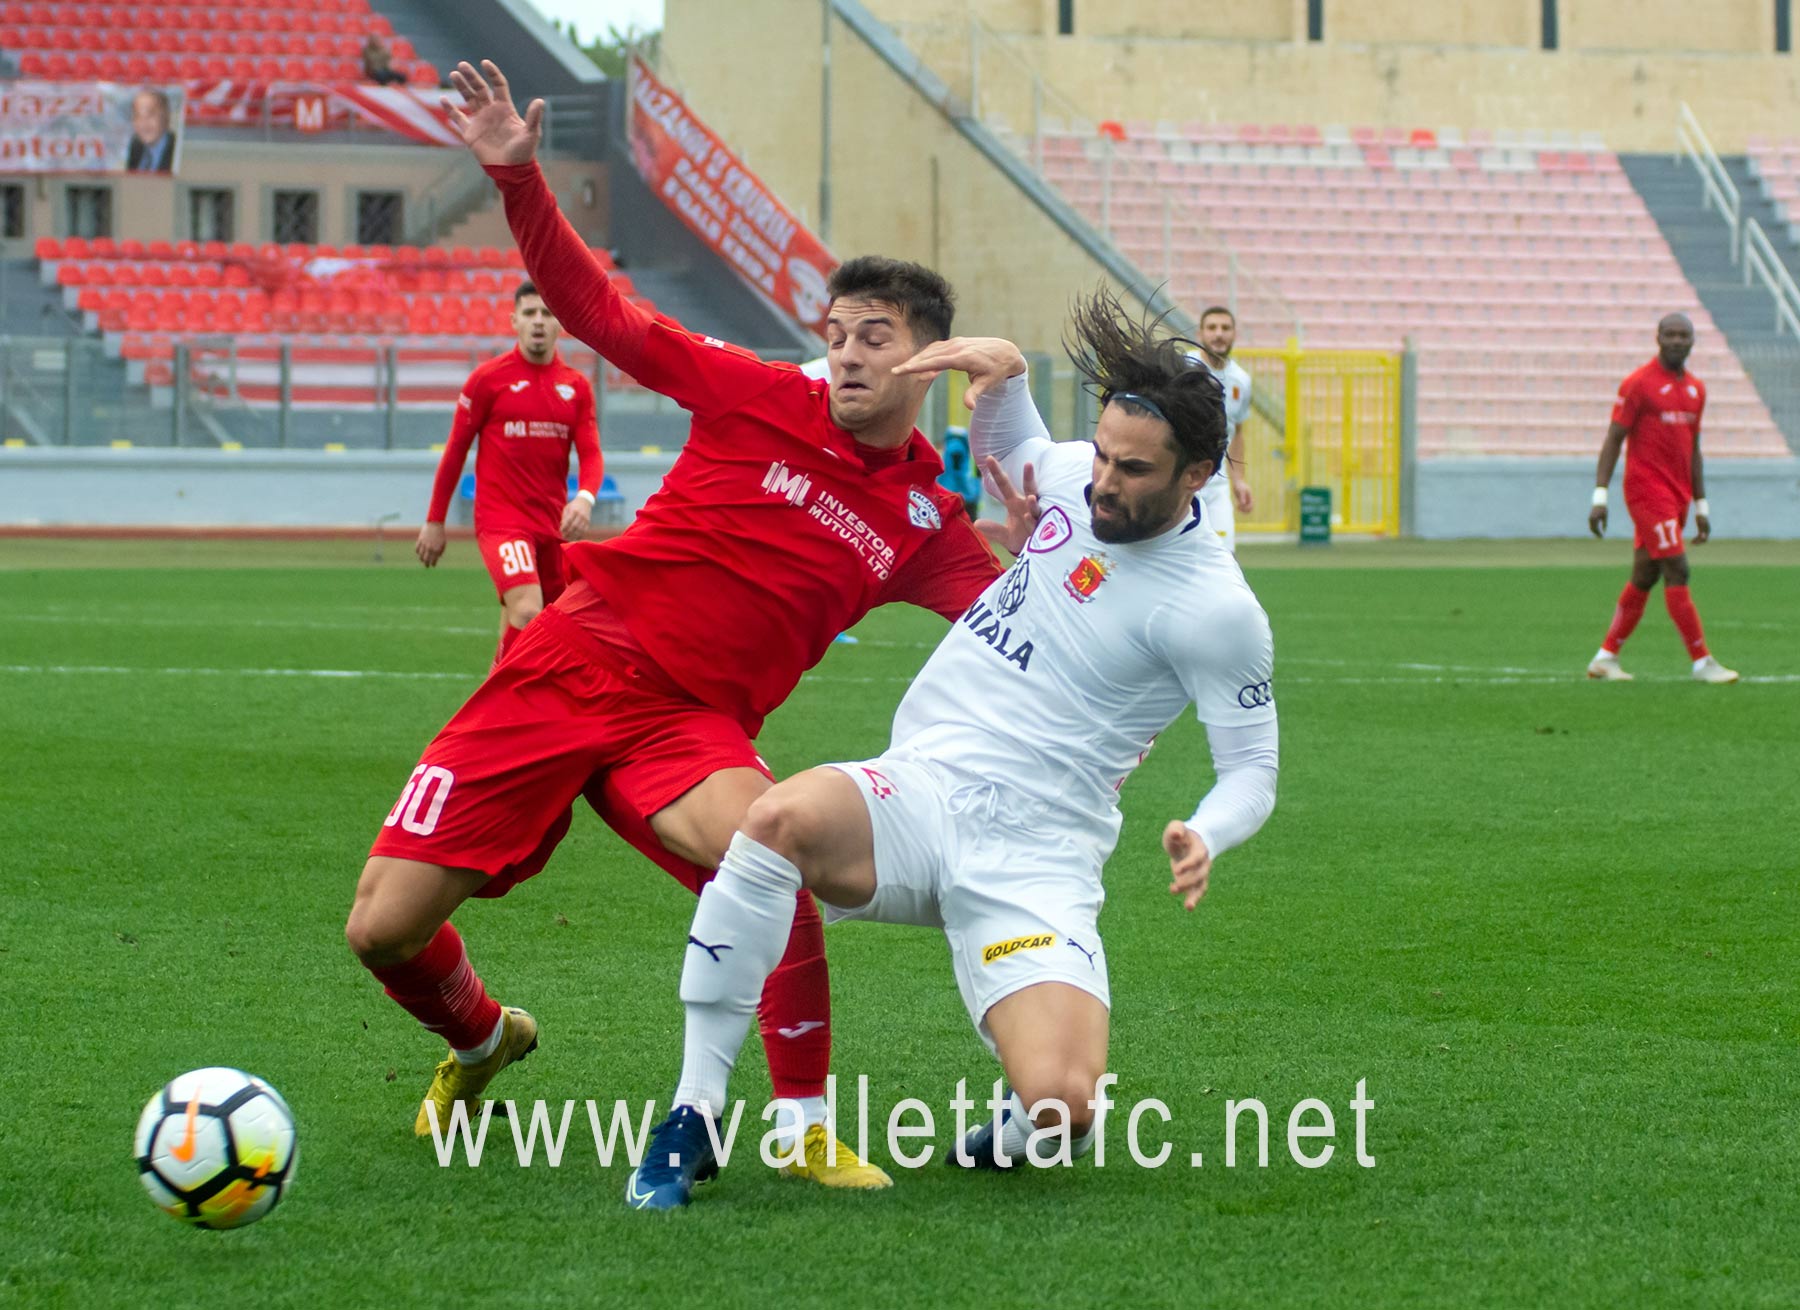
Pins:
x,y
575,517
430,545
987,360
1021,508
490,125
1597,520
1189,863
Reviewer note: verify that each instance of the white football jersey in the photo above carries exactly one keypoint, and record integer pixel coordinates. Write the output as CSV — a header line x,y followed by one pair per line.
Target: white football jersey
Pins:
x,y
1236,382
1058,679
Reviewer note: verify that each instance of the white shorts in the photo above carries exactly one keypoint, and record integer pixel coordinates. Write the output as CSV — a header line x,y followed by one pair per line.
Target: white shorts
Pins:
x,y
1016,892
1215,497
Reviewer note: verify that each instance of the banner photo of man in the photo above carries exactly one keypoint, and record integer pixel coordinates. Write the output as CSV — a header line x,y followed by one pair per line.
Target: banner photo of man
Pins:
x,y
59,127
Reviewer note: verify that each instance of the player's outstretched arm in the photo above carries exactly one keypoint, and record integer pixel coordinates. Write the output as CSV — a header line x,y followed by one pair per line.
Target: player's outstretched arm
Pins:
x,y
1021,508
987,360
489,123
1603,471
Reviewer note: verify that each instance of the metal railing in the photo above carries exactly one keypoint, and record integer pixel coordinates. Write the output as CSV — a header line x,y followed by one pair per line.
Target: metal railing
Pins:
x,y
1002,84
1762,262
1716,185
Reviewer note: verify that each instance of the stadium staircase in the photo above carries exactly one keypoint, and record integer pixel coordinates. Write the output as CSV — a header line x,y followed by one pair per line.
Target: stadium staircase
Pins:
x,y
1701,241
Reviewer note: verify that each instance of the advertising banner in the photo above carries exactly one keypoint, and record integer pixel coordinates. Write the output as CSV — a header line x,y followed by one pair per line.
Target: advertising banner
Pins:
x,y
724,204
90,127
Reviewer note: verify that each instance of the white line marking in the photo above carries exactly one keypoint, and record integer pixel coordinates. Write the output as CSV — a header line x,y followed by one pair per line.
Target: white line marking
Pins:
x,y
404,674
232,620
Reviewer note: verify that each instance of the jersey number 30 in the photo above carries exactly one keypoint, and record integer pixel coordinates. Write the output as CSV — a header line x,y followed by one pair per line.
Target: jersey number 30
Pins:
x,y
515,558
422,802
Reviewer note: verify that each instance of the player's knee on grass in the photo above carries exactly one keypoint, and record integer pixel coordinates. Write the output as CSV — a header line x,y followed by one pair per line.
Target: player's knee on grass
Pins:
x,y
521,611
789,823
381,929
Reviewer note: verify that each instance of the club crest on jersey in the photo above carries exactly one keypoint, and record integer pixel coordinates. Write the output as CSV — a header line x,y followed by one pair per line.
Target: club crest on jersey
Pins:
x,y
921,513
566,391
1085,578
1052,530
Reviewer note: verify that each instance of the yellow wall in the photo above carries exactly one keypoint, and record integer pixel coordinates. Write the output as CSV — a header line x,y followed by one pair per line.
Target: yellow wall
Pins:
x,y
904,182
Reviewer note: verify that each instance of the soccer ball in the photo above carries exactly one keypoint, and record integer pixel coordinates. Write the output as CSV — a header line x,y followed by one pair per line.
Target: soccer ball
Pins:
x,y
216,1148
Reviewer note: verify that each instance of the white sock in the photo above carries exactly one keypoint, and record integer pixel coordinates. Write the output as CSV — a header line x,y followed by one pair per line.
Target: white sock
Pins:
x,y
476,1054
1605,654
812,1110
1701,663
1015,1131
739,932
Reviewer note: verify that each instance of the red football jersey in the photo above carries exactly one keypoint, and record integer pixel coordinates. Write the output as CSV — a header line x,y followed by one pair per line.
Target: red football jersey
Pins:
x,y
1660,412
527,415
776,529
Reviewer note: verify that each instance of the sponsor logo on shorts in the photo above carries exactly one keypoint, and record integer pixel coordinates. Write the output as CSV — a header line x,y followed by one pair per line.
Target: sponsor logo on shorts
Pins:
x,y
1052,531
921,513
1012,588
1085,578
1085,951
1256,695
1013,945
879,786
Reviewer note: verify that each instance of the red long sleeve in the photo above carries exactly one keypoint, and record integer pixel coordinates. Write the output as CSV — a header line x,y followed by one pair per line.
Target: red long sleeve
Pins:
x,y
587,444
471,410
564,270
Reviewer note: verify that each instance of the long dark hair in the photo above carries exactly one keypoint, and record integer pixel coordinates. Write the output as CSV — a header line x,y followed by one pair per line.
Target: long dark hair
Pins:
x,y
1130,359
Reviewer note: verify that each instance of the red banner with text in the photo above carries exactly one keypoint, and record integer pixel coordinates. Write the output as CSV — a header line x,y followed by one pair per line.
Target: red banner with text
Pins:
x,y
724,204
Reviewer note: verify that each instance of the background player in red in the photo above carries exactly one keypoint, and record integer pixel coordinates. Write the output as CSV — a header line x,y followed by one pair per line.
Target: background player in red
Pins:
x,y
795,507
528,408
1658,412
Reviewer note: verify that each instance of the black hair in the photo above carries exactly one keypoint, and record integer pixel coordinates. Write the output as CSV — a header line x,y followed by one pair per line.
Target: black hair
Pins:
x,y
924,298
525,289
1210,310
1130,359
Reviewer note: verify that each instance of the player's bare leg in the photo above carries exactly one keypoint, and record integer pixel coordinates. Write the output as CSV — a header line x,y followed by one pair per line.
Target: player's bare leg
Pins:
x,y
1052,1040
399,927
698,824
518,607
815,822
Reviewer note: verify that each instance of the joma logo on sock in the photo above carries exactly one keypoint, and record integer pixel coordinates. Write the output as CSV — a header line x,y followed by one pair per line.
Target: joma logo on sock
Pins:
x,y
1000,950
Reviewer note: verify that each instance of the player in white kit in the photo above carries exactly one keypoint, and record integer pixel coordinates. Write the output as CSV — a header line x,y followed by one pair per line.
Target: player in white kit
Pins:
x,y
995,809
1228,489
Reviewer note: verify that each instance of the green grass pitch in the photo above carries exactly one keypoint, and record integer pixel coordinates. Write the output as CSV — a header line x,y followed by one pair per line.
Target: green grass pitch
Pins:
x,y
1552,924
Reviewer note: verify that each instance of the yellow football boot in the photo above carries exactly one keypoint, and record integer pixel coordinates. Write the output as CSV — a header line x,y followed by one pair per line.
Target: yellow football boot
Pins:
x,y
850,1170
455,1081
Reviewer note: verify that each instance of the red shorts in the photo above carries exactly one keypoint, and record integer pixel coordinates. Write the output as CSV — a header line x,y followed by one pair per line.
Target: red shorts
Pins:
x,y
523,559
1657,528
494,790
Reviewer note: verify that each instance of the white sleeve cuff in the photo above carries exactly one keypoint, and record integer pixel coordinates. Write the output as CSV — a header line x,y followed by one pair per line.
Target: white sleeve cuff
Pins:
x,y
585,494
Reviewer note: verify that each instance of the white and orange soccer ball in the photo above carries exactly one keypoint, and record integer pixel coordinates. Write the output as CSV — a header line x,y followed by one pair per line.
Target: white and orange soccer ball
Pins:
x,y
216,1148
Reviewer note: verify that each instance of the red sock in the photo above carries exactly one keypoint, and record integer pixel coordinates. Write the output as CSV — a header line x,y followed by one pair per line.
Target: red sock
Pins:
x,y
795,1012
1687,619
440,989
508,635
1631,608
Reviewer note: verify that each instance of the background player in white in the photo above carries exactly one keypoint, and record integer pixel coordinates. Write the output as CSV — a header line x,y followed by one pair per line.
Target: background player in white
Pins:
x,y
1229,487
996,807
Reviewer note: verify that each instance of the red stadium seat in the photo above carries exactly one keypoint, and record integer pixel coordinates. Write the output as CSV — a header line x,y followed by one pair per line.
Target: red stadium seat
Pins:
x,y
48,248
75,248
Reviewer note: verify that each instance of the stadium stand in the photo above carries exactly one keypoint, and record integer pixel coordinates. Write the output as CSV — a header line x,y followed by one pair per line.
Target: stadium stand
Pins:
x,y
1776,167
202,45
1478,247
337,311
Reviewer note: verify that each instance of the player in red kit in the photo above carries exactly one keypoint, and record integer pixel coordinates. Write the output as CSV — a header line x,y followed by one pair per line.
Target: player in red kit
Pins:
x,y
528,408
795,507
1658,413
